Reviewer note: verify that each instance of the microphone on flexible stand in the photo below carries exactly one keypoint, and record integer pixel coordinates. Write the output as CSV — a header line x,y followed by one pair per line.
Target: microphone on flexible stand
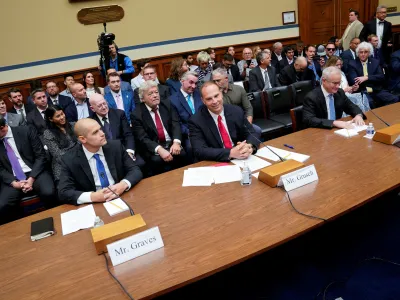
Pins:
x,y
362,100
103,176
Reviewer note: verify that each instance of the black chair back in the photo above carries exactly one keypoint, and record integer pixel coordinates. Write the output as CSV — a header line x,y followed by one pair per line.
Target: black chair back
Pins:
x,y
297,118
258,103
279,100
299,90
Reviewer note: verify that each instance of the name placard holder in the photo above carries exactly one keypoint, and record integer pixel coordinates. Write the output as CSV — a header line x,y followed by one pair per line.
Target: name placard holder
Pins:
x,y
135,246
298,178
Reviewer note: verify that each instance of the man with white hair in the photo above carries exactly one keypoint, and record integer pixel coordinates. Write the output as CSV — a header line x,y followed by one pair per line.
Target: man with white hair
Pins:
x,y
277,52
366,72
323,106
246,64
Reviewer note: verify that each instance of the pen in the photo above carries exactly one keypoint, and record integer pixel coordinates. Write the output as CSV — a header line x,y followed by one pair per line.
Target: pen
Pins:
x,y
116,205
286,145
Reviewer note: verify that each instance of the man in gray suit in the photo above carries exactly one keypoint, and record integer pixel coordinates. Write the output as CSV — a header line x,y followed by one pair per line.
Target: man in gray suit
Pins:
x,y
12,120
352,30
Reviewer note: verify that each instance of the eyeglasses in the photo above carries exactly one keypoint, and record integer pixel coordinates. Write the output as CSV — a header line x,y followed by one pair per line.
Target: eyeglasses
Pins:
x,y
330,49
334,83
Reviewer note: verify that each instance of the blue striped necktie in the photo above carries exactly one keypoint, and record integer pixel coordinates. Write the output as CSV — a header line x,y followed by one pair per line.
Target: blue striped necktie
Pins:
x,y
332,108
101,170
190,103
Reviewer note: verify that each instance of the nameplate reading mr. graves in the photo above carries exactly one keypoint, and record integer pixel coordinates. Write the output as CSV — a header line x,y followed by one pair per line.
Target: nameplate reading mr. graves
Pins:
x,y
298,178
135,245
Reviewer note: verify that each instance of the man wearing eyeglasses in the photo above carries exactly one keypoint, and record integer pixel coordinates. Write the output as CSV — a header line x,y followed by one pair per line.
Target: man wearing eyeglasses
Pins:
x,y
323,106
330,50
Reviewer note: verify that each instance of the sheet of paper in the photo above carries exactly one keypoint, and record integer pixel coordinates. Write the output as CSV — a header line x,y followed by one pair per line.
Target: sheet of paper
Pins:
x,y
253,162
203,176
115,206
360,128
266,153
256,174
346,132
227,174
77,219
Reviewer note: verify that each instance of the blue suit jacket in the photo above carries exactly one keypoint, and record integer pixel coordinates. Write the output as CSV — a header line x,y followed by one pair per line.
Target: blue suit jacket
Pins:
x,y
347,58
376,77
129,103
182,107
395,79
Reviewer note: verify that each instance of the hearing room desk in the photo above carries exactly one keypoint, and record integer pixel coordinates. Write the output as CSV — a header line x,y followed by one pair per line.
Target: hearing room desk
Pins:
x,y
205,229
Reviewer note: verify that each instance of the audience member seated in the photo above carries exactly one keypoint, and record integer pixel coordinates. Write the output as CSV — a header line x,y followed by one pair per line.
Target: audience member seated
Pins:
x,y
150,74
272,63
350,54
59,138
276,54
115,126
313,65
231,68
95,166
189,60
156,128
220,132
117,98
22,169
323,106
368,75
231,51
16,98
356,98
300,51
262,77
338,49
36,117
394,85
119,62
211,52
187,102
255,50
330,51
205,68
138,80
12,120
68,81
125,86
90,86
178,68
79,108
208,77
246,64
287,60
377,52
298,71
321,52
34,84
54,98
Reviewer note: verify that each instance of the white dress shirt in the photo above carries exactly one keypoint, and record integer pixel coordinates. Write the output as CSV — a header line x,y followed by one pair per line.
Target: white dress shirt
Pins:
x,y
120,104
326,95
223,120
41,111
18,110
279,56
379,32
85,196
11,142
56,101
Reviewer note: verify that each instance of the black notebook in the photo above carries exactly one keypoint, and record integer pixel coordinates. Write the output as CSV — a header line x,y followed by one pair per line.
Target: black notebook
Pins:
x,y
42,229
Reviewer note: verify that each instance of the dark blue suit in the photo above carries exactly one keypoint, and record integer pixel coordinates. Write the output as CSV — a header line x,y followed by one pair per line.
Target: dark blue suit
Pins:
x,y
394,85
127,98
71,113
63,101
347,57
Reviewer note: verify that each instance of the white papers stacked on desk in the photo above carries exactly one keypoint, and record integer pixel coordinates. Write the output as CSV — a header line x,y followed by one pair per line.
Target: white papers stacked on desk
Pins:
x,y
352,131
115,206
205,176
77,219
253,162
268,154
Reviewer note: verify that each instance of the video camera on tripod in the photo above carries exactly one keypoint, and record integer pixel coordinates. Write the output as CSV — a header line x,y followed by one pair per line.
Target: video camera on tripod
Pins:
x,y
104,40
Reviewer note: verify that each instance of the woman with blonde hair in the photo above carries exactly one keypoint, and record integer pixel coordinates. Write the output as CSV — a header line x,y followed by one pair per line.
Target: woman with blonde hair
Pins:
x,y
178,67
256,50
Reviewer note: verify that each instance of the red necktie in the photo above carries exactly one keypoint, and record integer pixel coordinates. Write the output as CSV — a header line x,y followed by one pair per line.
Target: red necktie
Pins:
x,y
160,128
224,134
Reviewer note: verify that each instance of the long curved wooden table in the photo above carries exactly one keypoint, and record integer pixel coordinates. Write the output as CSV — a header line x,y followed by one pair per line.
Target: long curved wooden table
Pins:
x,y
205,229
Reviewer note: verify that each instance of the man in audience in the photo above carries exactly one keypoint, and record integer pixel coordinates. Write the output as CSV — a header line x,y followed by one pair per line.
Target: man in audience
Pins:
x,y
203,59
246,64
276,54
287,60
138,80
125,86
296,72
220,132
95,166
231,51
68,81
330,50
80,107
350,54
156,128
313,65
54,98
323,106
352,30
22,169
394,85
382,28
211,52
189,60
376,53
118,98
16,98
368,75
36,117
300,51
230,67
150,73
262,77
114,124
12,119
120,62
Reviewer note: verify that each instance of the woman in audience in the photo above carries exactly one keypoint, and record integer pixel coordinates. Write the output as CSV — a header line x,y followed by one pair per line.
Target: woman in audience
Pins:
x,y
58,137
178,67
90,85
356,98
256,50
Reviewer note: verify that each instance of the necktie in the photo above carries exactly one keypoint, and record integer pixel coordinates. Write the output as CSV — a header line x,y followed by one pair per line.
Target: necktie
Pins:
x,y
224,134
43,111
267,83
365,71
55,102
190,104
101,171
21,111
159,126
19,173
331,108
381,22
107,129
120,104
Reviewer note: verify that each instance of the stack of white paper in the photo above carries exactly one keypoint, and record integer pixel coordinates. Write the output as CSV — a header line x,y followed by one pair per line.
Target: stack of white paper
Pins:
x,y
253,162
227,174
205,176
77,219
268,154
115,206
346,132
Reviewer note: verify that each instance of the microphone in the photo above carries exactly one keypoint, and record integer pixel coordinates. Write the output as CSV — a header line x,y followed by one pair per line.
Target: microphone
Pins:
x,y
362,100
103,176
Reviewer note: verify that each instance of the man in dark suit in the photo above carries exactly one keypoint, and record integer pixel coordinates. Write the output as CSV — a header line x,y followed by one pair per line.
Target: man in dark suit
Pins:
x,y
231,68
220,132
54,97
377,52
296,72
149,73
156,128
115,126
313,65
323,106
22,169
276,55
394,85
368,75
12,120
381,28
79,108
16,98
36,117
300,51
96,165
263,76
350,54
287,60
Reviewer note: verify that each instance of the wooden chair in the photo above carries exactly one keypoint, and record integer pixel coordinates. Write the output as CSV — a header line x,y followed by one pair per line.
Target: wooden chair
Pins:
x,y
31,204
297,118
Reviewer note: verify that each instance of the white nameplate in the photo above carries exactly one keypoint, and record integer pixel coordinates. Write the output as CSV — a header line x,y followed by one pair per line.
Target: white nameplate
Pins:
x,y
298,178
135,245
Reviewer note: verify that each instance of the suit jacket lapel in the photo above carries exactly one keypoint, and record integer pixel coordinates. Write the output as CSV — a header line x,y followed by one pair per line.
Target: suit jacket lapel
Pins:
x,y
260,76
4,158
112,118
323,103
231,125
184,103
147,119
110,162
213,128
270,75
85,166
164,117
